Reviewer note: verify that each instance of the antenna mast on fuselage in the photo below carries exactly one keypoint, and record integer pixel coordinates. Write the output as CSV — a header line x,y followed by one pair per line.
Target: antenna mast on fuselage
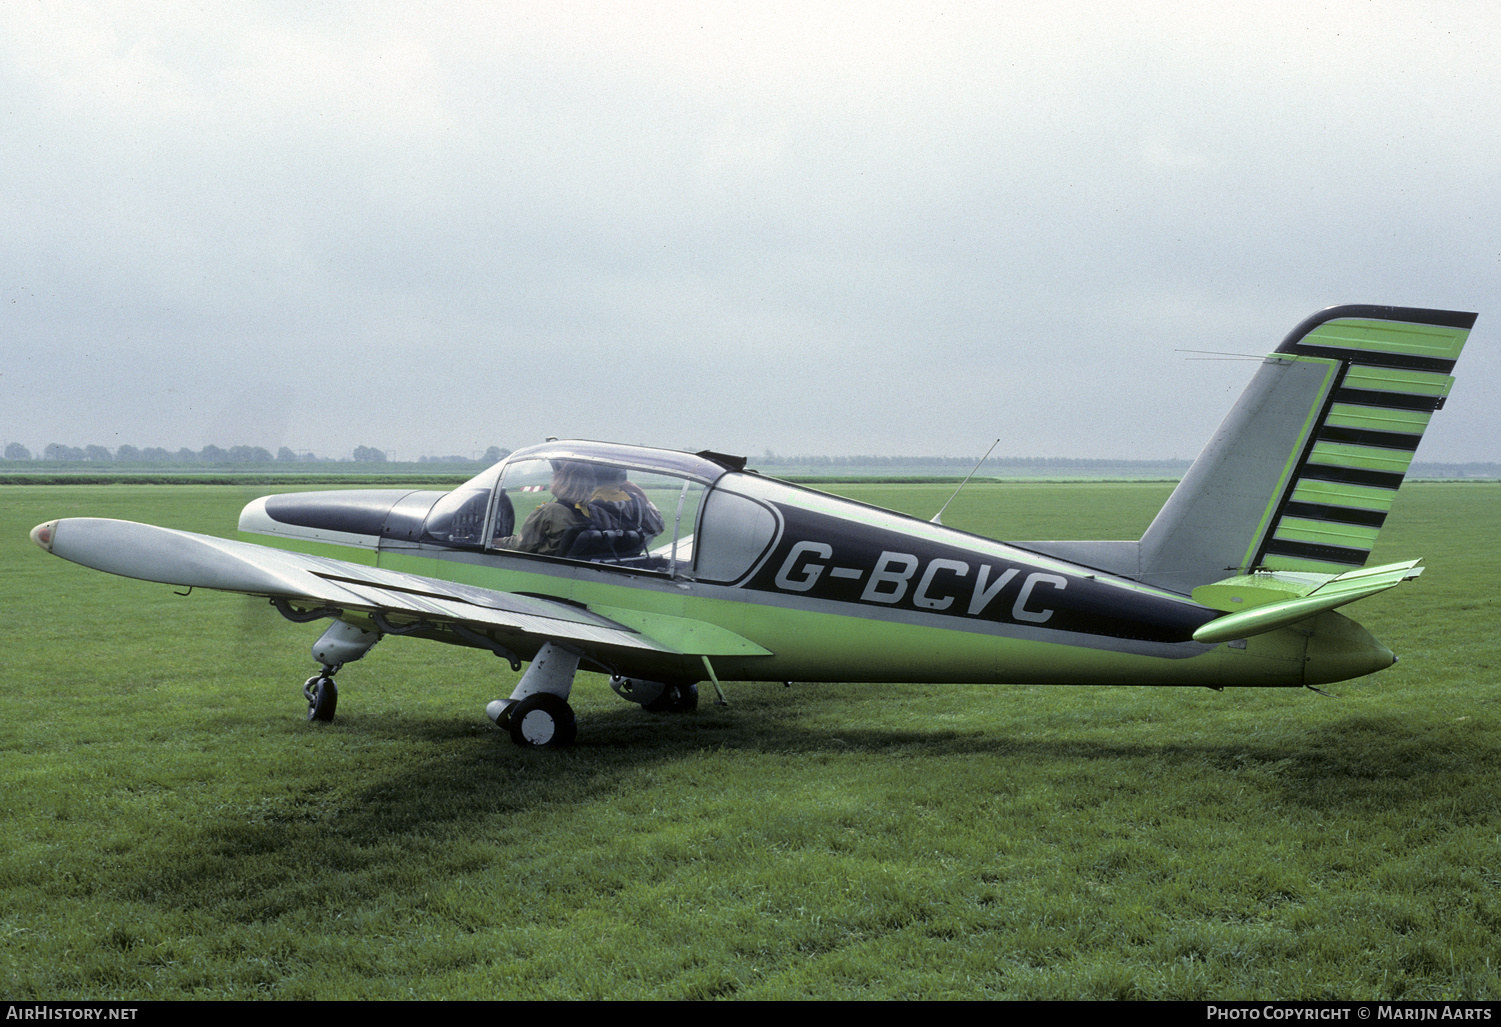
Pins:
x,y
965,482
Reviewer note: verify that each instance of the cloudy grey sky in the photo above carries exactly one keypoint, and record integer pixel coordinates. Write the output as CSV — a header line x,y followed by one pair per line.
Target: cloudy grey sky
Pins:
x,y
808,228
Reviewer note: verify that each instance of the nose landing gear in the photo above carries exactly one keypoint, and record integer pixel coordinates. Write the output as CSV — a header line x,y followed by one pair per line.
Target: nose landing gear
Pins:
x,y
322,695
340,644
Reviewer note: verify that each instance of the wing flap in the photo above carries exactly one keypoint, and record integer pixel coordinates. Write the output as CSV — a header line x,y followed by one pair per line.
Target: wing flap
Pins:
x,y
684,634
596,631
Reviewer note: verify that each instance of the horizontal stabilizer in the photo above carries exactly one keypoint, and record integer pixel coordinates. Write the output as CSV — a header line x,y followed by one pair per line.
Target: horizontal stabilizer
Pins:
x,y
1266,612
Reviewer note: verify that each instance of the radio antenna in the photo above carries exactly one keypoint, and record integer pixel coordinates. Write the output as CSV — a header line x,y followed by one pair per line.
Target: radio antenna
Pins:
x,y
937,517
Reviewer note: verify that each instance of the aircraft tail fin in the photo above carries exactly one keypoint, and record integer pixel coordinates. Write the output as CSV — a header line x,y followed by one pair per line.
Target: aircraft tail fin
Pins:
x,y
1302,472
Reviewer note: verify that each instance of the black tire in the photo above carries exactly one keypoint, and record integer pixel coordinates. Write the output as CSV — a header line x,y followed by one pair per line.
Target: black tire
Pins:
x,y
675,699
324,700
543,721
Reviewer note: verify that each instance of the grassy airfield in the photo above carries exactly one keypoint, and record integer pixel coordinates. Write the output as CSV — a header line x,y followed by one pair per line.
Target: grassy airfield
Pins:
x,y
174,828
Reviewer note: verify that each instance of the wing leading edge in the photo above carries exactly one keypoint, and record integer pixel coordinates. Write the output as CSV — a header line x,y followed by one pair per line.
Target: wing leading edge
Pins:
x,y
172,557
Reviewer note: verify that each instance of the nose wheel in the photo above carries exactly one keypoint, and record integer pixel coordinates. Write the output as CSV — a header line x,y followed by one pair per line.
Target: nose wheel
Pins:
x,y
322,696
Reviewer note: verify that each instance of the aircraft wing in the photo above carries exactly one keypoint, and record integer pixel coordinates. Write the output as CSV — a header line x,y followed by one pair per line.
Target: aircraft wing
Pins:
x,y
172,557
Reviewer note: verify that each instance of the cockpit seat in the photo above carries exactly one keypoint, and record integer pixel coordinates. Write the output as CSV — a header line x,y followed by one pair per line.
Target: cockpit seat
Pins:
x,y
586,543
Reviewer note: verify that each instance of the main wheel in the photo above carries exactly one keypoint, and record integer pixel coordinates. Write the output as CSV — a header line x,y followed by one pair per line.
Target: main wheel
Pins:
x,y
675,699
322,697
543,721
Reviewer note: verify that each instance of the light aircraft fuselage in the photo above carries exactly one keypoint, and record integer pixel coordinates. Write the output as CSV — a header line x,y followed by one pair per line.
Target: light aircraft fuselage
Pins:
x,y
805,586
666,569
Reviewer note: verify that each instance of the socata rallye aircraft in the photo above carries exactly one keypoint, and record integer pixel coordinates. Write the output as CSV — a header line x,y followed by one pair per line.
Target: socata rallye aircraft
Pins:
x,y
667,569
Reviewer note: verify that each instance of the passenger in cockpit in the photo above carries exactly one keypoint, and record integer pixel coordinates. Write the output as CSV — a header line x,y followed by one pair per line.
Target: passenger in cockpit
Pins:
x,y
618,503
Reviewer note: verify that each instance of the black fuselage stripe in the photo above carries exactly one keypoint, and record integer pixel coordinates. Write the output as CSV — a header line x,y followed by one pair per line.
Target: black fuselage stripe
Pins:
x,y
1366,437
1372,358
1387,400
1351,476
1315,551
1335,514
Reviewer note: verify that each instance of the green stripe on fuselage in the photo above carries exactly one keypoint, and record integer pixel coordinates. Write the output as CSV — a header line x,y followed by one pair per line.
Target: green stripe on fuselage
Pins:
x,y
1274,562
1351,536
864,644
1385,379
1437,341
1408,422
1340,454
1336,493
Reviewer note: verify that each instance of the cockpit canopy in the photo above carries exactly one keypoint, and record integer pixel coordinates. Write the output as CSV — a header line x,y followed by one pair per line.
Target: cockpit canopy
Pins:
x,y
604,503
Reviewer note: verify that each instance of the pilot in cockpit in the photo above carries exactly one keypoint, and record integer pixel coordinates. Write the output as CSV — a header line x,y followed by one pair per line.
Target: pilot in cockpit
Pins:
x,y
546,526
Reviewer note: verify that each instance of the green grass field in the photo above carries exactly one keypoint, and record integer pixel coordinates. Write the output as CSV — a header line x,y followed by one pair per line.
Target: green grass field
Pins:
x,y
174,828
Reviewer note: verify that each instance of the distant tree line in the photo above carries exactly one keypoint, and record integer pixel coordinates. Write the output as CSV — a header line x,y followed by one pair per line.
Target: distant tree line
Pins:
x,y
128,454
492,455
1470,470
371,455
241,455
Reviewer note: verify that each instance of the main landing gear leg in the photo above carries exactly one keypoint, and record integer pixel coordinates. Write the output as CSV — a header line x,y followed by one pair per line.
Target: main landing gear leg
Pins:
x,y
537,713
342,643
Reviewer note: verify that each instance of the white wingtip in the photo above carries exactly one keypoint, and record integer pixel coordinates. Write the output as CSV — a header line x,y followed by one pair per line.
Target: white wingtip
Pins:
x,y
42,535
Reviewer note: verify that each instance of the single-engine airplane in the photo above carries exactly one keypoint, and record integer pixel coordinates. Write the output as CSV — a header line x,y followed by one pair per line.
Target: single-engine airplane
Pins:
x,y
667,569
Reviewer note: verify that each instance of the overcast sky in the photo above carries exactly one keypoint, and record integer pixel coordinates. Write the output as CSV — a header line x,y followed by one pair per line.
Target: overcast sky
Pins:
x,y
805,228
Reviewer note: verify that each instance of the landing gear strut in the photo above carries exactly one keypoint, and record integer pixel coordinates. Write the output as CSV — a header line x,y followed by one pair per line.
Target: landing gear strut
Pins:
x,y
537,713
340,644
